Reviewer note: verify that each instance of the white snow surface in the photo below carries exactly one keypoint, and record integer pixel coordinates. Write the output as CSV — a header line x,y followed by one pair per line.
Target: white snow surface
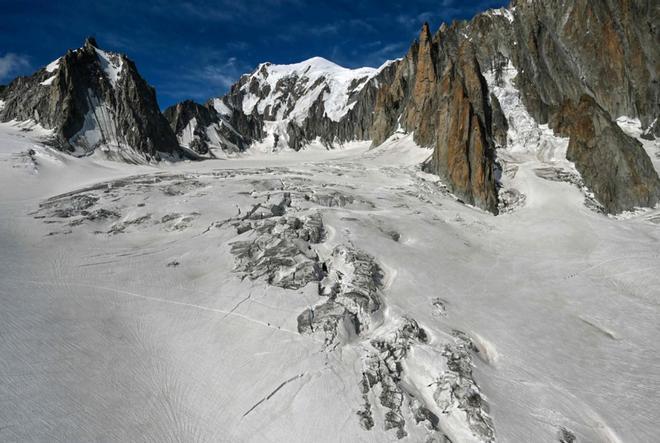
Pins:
x,y
314,76
49,81
53,66
220,107
135,326
633,127
111,64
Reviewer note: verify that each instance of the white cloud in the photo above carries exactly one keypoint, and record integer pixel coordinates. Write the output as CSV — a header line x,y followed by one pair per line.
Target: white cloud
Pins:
x,y
11,64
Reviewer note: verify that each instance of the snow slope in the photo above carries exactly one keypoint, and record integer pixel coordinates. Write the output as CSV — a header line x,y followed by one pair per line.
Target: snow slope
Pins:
x,y
125,315
314,77
112,64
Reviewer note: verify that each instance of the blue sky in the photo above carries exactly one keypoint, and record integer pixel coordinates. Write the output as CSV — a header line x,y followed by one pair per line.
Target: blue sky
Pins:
x,y
198,49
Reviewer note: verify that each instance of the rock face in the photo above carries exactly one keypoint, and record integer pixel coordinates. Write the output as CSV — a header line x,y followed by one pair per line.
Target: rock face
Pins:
x,y
313,99
93,99
566,50
440,95
561,49
207,128
462,135
607,157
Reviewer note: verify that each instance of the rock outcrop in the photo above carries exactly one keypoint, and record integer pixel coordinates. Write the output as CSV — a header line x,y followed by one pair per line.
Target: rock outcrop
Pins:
x,y
207,128
440,95
565,50
615,166
93,99
562,51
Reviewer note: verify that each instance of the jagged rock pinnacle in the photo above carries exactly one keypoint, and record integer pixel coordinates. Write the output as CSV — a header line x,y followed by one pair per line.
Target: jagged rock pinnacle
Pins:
x,y
425,34
91,41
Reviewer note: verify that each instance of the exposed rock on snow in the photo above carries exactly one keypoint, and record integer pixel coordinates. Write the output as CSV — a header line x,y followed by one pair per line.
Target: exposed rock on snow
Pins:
x,y
351,281
456,388
205,130
383,373
100,205
614,166
281,251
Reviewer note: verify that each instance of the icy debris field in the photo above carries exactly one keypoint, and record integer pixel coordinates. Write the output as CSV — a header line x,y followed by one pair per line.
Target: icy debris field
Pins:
x,y
320,296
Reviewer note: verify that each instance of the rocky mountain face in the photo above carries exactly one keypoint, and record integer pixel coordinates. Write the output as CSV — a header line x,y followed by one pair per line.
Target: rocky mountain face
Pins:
x,y
440,95
93,99
205,129
566,48
314,99
562,51
570,57
290,106
599,58
615,165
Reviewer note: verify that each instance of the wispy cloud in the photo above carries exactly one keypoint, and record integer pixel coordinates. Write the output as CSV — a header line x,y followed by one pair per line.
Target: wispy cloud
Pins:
x,y
224,11
382,53
205,81
225,74
12,64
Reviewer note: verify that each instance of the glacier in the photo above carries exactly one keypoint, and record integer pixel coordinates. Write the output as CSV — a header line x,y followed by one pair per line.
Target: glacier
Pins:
x,y
127,313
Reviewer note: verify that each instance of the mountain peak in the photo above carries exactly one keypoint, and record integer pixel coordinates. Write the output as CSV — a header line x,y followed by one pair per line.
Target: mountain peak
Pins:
x,y
93,99
425,33
91,41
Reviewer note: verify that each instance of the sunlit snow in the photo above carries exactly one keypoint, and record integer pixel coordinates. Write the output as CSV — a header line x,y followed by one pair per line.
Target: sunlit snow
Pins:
x,y
124,316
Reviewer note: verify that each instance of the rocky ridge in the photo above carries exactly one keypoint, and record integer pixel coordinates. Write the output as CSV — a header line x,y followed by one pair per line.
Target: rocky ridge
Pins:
x,y
599,57
562,50
92,99
564,53
212,129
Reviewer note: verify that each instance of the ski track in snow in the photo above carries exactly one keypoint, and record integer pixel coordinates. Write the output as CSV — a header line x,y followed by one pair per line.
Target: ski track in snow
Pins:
x,y
124,316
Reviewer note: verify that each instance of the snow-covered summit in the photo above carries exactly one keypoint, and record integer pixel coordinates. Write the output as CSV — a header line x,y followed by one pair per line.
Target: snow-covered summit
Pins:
x,y
287,92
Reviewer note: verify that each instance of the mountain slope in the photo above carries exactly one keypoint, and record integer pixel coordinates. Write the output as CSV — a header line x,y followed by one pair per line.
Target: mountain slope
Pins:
x,y
93,99
562,51
207,130
301,102
571,53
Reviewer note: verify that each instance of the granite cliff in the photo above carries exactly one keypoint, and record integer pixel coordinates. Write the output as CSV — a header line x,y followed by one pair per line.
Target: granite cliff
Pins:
x,y
93,99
